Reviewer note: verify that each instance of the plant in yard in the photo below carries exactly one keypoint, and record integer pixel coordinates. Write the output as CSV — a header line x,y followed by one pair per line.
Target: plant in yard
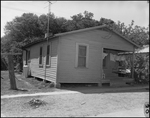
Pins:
x,y
35,103
141,68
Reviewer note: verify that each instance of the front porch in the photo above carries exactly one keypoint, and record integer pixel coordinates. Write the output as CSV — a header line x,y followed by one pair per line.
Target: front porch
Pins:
x,y
116,70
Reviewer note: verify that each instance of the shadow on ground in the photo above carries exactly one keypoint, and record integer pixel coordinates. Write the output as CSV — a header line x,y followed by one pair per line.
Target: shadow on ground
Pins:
x,y
95,89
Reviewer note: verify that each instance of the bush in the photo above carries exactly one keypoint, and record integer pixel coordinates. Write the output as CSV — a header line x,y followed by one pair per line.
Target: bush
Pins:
x,y
141,72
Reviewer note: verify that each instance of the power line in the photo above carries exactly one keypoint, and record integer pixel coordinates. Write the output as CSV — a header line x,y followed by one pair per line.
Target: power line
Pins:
x,y
31,11
20,9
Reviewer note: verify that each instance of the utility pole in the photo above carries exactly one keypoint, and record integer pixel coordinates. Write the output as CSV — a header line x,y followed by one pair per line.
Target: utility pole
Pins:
x,y
47,35
48,18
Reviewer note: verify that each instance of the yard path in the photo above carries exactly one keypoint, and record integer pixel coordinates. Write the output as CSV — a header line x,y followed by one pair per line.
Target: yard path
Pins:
x,y
39,94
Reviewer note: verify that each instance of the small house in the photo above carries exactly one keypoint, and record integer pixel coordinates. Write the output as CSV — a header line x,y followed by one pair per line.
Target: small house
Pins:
x,y
82,56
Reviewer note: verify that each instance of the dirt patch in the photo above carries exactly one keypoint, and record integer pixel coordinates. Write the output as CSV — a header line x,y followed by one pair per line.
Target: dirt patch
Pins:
x,y
32,85
75,105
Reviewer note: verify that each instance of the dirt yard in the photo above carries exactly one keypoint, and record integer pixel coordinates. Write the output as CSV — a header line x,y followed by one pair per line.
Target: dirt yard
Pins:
x,y
77,104
30,84
90,101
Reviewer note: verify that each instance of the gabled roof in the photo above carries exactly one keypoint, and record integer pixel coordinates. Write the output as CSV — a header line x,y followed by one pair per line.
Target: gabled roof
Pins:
x,y
82,30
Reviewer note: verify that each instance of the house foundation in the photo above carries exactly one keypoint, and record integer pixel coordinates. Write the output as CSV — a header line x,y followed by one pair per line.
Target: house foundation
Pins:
x,y
57,85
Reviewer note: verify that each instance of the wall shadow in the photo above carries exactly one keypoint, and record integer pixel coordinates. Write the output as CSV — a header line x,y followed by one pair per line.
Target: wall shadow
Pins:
x,y
99,90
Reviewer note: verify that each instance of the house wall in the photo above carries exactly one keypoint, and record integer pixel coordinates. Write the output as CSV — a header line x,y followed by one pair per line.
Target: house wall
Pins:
x,y
68,73
37,71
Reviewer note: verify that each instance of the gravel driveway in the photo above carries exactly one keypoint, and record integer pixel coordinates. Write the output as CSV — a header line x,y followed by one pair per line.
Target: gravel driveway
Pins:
x,y
77,104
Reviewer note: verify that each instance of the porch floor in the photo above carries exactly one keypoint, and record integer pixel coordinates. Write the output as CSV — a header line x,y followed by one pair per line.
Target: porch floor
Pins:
x,y
117,81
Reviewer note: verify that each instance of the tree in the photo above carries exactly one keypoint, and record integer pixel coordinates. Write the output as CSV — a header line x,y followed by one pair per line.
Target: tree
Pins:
x,y
13,85
80,21
29,27
23,29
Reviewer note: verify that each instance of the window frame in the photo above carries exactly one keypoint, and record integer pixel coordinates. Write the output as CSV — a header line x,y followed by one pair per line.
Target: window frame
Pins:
x,y
48,65
77,55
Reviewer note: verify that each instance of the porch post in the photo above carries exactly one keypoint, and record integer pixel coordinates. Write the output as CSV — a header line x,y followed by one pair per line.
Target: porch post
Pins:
x,y
26,57
133,54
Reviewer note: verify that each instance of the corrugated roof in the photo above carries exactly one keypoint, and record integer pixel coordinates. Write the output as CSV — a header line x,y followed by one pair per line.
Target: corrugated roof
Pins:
x,y
82,30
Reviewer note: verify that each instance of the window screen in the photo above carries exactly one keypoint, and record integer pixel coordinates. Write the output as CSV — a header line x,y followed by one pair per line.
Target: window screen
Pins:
x,y
48,55
40,59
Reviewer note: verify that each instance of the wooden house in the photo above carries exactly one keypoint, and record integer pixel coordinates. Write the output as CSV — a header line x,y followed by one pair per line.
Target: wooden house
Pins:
x,y
80,56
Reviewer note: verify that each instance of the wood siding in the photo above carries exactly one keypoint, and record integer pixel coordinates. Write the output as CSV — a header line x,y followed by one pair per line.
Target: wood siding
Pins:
x,y
68,73
37,71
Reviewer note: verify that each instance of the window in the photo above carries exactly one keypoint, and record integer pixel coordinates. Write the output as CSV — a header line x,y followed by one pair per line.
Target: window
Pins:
x,y
40,58
48,55
104,62
28,55
82,55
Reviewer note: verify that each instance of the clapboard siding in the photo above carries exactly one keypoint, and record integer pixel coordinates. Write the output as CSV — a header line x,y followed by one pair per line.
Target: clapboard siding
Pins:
x,y
39,72
68,73
114,42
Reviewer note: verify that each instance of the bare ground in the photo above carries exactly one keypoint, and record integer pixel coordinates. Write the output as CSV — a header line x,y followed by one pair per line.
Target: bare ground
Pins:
x,y
72,105
89,102
30,84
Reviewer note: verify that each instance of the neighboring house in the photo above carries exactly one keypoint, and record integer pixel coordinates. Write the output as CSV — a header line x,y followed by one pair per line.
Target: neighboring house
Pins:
x,y
80,56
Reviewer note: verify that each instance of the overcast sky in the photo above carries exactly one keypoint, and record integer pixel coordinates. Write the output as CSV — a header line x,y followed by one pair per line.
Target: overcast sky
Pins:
x,y
124,11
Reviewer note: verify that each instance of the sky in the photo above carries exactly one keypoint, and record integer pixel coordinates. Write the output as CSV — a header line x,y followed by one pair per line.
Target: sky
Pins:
x,y
124,11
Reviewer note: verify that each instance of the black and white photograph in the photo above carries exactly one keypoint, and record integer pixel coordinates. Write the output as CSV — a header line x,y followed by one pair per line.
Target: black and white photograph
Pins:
x,y
75,58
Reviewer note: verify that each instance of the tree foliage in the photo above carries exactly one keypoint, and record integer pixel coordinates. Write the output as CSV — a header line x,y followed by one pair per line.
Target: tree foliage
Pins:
x,y
141,65
30,27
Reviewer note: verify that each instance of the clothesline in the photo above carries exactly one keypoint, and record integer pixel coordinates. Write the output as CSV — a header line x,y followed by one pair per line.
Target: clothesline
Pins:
x,y
117,58
114,57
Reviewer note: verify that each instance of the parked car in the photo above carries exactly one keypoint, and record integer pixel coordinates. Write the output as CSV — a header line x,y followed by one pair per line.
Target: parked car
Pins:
x,y
122,72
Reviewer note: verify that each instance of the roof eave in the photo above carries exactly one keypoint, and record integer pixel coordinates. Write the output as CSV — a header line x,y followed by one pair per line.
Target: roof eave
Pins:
x,y
137,46
80,30
38,41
